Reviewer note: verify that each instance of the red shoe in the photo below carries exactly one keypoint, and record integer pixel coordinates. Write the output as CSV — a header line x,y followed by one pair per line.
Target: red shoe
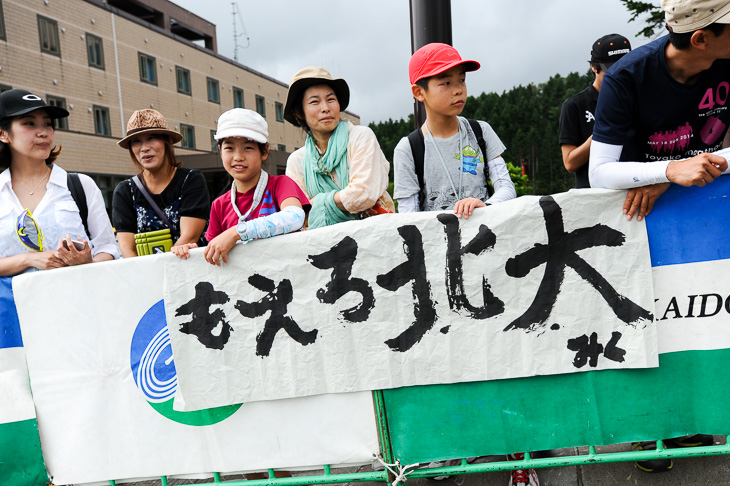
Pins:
x,y
523,477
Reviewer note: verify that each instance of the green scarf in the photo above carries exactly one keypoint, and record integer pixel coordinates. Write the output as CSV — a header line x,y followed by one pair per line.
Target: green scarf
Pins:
x,y
319,184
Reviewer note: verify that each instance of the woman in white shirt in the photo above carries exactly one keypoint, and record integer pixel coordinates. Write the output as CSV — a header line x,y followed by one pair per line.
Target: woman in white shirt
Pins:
x,y
40,224
341,168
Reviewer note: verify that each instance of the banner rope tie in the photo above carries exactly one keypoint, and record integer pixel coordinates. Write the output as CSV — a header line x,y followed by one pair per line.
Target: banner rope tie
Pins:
x,y
400,472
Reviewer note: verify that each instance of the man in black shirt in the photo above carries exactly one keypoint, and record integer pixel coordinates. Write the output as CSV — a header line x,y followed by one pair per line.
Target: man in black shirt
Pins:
x,y
577,113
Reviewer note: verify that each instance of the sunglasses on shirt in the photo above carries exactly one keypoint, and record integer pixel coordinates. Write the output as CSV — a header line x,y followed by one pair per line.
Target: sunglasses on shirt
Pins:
x,y
29,233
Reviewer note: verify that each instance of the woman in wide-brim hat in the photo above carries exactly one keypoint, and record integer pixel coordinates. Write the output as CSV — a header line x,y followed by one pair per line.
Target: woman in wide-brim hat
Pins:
x,y
41,226
180,193
341,167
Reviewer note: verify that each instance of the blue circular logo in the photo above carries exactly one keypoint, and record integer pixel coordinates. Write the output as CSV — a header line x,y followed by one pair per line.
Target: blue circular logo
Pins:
x,y
153,369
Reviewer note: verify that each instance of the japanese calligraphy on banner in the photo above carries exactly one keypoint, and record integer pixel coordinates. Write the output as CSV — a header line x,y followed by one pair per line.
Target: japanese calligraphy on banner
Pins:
x,y
103,375
534,286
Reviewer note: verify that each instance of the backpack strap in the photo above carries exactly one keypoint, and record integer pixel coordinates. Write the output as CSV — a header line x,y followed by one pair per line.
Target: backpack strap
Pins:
x,y
477,129
418,150
79,196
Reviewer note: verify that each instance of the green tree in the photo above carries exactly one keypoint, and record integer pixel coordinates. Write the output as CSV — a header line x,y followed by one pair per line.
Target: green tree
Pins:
x,y
654,16
526,118
389,134
520,181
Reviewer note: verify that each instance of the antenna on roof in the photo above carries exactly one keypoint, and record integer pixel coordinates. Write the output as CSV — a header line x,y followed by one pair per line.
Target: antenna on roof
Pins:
x,y
236,35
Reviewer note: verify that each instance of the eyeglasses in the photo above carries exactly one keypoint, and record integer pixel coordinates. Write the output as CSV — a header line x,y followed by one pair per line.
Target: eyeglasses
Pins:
x,y
28,231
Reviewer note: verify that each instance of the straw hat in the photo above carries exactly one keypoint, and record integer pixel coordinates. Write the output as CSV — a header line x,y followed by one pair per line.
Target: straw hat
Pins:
x,y
148,121
312,76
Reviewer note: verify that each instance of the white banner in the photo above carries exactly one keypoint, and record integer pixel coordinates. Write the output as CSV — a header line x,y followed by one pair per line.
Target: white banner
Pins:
x,y
16,402
692,305
102,376
535,286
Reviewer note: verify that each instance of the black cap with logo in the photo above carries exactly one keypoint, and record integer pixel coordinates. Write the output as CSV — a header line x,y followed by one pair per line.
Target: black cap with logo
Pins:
x,y
16,102
609,49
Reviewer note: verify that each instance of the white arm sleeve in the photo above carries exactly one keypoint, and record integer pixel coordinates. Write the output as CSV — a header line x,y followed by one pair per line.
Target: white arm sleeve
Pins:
x,y
409,204
605,170
504,188
290,218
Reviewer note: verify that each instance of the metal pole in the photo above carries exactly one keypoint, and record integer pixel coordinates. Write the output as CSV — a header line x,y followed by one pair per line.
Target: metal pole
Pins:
x,y
430,22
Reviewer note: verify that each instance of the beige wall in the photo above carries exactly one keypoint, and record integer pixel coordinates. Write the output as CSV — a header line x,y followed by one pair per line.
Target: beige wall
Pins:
x,y
69,76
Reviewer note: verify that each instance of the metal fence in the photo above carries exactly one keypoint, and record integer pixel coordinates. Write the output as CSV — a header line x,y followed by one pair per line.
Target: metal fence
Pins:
x,y
388,469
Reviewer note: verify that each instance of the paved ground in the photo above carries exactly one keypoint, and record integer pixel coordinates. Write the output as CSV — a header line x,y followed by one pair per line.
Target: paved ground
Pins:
x,y
711,470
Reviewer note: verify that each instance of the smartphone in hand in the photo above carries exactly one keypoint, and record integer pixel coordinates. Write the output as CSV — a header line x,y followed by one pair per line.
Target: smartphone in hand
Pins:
x,y
79,245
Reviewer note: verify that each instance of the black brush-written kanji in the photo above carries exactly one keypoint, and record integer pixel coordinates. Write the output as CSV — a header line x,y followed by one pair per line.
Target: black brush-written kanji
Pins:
x,y
559,253
340,258
204,322
483,241
412,270
276,301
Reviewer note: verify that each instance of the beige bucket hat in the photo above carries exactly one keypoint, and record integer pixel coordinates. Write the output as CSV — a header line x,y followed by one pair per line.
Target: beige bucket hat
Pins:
x,y
311,76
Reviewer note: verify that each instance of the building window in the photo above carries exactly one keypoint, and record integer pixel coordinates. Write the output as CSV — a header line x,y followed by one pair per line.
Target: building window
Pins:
x,y
95,49
183,80
279,112
48,35
281,147
106,185
102,125
58,123
214,95
2,23
5,87
261,105
237,98
147,69
213,142
188,133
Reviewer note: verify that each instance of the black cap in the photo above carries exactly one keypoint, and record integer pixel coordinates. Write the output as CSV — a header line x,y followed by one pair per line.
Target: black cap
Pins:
x,y
16,102
609,49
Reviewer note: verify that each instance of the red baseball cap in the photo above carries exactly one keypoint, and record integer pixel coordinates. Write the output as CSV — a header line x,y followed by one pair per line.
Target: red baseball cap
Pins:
x,y
435,58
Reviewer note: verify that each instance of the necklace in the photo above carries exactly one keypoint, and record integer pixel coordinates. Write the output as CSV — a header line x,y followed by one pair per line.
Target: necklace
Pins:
x,y
457,194
320,165
31,191
322,153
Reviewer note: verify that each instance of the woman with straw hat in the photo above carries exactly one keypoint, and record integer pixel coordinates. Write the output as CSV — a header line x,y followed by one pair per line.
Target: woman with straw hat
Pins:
x,y
163,195
41,225
341,167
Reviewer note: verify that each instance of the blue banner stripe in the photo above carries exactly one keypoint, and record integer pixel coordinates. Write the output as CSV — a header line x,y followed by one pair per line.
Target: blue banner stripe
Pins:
x,y
9,325
691,224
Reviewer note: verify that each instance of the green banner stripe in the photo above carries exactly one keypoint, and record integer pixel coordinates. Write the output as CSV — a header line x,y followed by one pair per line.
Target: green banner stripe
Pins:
x,y
21,462
687,394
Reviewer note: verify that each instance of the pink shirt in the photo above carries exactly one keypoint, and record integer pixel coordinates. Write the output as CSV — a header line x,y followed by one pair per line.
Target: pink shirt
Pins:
x,y
279,188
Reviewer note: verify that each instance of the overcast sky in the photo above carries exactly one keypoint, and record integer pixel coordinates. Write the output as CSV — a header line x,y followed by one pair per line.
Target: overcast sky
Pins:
x,y
368,44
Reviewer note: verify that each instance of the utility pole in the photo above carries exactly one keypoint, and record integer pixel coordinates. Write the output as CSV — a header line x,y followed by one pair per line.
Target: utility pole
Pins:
x,y
430,22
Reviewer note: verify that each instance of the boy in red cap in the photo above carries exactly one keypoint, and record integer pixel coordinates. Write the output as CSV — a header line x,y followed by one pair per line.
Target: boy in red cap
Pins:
x,y
447,163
